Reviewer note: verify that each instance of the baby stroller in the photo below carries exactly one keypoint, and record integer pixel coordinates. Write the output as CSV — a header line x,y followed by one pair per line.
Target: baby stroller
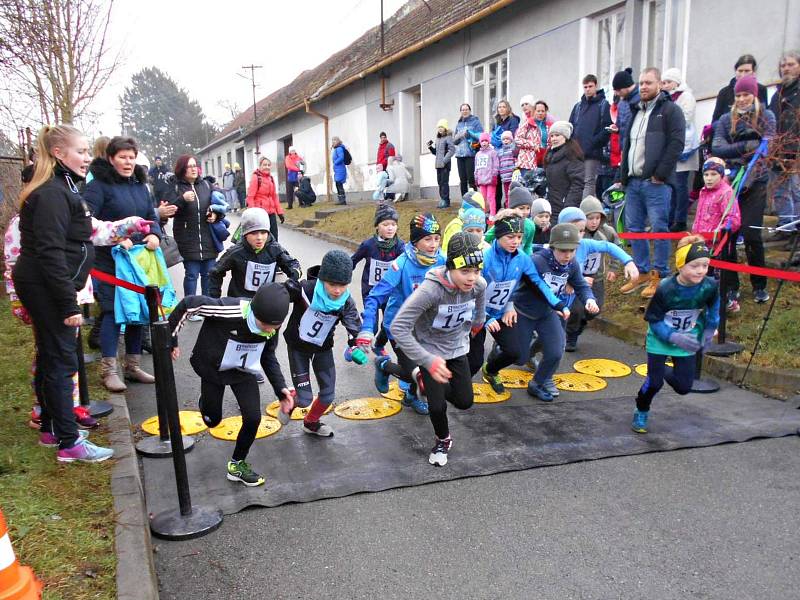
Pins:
x,y
534,180
614,205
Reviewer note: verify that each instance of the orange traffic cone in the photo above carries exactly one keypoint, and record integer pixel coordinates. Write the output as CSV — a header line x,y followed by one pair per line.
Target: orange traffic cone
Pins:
x,y
16,582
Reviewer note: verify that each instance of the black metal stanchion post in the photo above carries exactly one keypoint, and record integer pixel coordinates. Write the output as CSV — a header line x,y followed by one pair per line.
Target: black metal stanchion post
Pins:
x,y
723,347
187,521
96,408
88,319
700,385
159,446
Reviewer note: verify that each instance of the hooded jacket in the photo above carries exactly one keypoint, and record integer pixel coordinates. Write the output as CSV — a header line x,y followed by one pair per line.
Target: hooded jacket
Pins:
x,y
510,123
712,212
565,177
112,197
624,114
529,300
250,269
590,117
528,140
467,132
190,227
55,227
385,150
261,193
443,149
436,320
603,233
487,166
395,286
339,168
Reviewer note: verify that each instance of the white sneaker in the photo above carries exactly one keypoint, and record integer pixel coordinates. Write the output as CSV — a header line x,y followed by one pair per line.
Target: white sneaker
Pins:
x,y
319,428
439,452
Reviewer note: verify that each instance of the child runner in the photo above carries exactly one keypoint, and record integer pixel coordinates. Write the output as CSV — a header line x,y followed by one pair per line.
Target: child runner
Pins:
x,y
407,273
487,167
520,201
237,340
253,261
682,316
507,158
320,302
718,212
590,256
379,251
557,267
541,212
469,200
503,267
432,329
474,222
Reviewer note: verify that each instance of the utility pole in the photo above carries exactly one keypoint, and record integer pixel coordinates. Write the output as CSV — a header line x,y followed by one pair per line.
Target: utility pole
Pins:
x,y
382,49
253,81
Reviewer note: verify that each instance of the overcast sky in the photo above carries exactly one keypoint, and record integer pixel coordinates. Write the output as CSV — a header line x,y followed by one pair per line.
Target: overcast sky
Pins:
x,y
203,45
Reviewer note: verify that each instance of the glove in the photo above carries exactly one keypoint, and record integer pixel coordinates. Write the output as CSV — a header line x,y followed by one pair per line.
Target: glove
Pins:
x,y
708,337
356,354
364,338
475,330
292,286
686,341
282,218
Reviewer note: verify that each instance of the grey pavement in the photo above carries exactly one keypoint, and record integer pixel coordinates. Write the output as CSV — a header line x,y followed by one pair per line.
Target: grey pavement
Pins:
x,y
717,522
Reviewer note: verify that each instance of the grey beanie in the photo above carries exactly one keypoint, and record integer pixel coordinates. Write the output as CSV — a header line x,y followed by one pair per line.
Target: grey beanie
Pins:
x,y
591,205
336,267
519,196
562,128
254,219
540,205
384,212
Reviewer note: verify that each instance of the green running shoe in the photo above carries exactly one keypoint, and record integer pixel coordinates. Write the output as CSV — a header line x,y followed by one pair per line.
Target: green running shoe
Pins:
x,y
239,470
493,380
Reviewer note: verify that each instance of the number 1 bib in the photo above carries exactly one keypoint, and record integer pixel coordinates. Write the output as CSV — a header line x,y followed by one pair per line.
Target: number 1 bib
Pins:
x,y
257,275
376,270
242,356
315,326
498,294
451,316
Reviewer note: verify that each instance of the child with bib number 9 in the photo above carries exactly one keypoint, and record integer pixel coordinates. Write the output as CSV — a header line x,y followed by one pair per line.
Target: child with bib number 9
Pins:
x,y
320,302
683,316
433,329
236,342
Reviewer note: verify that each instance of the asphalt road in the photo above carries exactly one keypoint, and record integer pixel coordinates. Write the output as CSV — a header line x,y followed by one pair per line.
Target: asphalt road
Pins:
x,y
718,522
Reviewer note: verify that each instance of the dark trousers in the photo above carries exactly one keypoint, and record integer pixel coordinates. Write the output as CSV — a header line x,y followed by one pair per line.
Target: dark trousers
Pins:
x,y
443,179
249,399
340,192
466,173
402,368
290,185
273,225
752,203
679,207
457,391
300,364
476,352
679,377
56,362
498,196
506,343
578,317
516,347
109,330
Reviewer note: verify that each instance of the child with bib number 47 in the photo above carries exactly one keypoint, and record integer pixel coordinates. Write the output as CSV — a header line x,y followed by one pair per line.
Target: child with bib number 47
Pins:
x,y
236,342
320,302
433,329
683,316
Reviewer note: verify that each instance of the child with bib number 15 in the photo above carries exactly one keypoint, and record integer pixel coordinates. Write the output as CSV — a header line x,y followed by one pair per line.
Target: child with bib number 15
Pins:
x,y
683,316
236,342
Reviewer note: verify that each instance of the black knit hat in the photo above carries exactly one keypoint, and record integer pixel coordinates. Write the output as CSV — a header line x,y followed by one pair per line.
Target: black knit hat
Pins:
x,y
506,225
423,225
622,79
464,250
336,267
519,196
384,212
270,305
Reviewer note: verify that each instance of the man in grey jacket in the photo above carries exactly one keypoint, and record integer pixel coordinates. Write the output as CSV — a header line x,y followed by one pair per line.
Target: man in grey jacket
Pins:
x,y
433,329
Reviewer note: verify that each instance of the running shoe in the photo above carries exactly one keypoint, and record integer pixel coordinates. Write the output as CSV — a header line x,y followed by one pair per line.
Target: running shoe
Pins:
x,y
319,428
732,303
420,406
538,391
239,470
48,440
493,380
84,451
84,418
380,351
35,422
550,386
438,456
639,424
416,374
760,296
381,377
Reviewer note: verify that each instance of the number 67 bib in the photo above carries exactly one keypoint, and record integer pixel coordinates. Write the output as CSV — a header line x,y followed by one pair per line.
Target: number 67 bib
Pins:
x,y
242,356
257,275
315,326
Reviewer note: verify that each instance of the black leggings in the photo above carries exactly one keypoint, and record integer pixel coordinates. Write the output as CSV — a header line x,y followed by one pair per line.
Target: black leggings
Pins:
x,y
466,173
290,185
443,179
249,399
752,203
301,363
402,368
273,225
680,378
457,391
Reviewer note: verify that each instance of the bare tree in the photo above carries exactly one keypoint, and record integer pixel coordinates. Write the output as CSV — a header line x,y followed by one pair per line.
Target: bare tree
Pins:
x,y
231,106
55,55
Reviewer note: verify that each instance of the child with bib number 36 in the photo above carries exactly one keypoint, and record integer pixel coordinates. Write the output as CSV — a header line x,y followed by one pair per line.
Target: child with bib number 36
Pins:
x,y
236,342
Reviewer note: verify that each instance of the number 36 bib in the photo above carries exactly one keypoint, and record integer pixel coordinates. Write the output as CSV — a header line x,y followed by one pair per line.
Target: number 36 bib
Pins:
x,y
315,326
242,356
682,319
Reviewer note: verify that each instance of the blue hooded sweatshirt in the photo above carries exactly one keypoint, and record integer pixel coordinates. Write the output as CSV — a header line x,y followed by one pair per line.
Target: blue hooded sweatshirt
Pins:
x,y
530,301
404,276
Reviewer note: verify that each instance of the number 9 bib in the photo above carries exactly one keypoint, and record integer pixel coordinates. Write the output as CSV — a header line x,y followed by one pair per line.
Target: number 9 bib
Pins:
x,y
315,326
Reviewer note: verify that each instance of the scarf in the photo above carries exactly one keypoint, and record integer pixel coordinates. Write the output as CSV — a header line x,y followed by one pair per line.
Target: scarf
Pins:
x,y
385,246
324,303
250,317
422,259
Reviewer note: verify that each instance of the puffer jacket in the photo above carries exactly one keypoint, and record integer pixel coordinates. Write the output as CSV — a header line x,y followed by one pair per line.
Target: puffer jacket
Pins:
x,y
112,197
261,193
339,168
565,178
467,132
443,149
738,148
528,141
190,227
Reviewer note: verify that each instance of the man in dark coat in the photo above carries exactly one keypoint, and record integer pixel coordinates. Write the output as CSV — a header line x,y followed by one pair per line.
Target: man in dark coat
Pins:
x,y
785,105
590,117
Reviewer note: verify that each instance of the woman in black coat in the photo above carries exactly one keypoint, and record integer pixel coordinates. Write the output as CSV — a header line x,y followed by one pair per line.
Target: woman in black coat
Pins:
x,y
563,166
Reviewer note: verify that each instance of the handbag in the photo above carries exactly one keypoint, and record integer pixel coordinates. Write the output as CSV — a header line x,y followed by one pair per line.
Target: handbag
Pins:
x,y
169,247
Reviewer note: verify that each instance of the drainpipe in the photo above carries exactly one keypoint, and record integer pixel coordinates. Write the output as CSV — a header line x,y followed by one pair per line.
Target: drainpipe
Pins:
x,y
327,146
386,106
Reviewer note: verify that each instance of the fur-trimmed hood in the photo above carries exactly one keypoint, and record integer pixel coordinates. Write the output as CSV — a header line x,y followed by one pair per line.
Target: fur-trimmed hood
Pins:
x,y
103,170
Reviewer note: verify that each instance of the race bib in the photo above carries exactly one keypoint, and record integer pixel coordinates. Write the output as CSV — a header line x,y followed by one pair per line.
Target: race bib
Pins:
x,y
242,356
498,294
376,270
592,263
682,320
482,161
556,282
451,316
315,326
257,275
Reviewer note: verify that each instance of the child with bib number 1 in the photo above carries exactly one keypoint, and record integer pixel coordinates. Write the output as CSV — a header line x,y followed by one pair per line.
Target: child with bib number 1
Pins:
x,y
236,342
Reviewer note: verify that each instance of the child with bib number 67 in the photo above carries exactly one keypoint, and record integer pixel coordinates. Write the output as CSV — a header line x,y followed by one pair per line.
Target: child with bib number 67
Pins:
x,y
236,342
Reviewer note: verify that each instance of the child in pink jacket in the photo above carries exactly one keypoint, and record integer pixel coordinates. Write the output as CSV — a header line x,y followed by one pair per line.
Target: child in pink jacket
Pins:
x,y
487,166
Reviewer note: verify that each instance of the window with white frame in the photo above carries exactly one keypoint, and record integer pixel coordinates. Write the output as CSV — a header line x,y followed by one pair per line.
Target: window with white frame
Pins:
x,y
665,25
489,86
609,37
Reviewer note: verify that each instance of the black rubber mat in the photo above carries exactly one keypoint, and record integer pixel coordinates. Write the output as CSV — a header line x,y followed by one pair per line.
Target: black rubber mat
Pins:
x,y
370,456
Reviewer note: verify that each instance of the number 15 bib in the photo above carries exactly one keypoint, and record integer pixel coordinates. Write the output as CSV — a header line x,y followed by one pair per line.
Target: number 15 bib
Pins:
x,y
315,326
451,316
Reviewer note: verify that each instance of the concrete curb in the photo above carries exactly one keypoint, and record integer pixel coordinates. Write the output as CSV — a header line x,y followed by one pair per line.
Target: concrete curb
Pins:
x,y
136,570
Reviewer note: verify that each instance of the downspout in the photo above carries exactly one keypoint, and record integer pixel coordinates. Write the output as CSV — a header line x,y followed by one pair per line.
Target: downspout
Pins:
x,y
324,118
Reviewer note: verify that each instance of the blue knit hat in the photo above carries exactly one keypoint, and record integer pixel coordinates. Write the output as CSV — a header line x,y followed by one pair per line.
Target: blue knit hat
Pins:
x,y
474,217
570,214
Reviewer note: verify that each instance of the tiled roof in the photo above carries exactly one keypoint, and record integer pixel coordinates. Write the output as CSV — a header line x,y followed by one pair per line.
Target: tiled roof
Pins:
x,y
415,22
